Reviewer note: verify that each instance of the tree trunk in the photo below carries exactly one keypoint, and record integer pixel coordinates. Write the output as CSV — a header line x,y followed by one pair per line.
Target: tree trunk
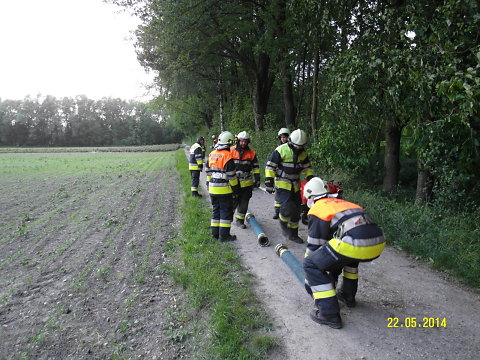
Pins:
x,y
288,102
263,85
424,185
392,155
313,114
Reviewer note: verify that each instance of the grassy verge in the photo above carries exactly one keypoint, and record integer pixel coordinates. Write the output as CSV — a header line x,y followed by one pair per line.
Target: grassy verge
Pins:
x,y
217,285
448,243
144,148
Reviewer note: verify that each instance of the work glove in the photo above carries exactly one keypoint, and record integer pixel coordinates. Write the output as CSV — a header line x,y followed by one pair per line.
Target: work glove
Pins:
x,y
270,190
200,167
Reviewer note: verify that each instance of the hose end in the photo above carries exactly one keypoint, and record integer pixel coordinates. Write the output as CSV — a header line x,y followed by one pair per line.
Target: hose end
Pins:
x,y
248,216
263,240
279,248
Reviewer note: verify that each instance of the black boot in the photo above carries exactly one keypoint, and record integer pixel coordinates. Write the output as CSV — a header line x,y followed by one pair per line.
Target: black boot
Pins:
x,y
241,224
228,238
196,194
332,320
348,291
293,236
275,215
349,301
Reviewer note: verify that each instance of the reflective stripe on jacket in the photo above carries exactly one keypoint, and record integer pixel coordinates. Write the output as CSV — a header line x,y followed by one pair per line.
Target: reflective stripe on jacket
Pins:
x,y
246,164
221,173
286,165
196,157
356,235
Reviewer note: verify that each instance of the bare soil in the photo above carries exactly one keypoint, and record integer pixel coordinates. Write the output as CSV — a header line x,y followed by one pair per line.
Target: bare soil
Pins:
x,y
392,286
82,276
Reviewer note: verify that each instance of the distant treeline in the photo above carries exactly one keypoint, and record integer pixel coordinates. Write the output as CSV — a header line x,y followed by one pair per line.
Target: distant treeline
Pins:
x,y
80,121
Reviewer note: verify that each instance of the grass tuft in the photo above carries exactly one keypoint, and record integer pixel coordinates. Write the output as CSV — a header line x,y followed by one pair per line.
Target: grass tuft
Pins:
x,y
216,282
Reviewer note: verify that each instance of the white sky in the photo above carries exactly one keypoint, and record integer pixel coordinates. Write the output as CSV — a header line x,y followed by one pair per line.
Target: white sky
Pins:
x,y
69,48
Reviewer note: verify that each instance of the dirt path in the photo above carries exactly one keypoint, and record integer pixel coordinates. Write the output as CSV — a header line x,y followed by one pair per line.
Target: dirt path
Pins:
x,y
392,286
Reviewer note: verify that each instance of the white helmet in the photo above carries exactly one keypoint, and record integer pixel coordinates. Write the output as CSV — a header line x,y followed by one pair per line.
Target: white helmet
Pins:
x,y
243,135
225,138
283,131
298,137
315,188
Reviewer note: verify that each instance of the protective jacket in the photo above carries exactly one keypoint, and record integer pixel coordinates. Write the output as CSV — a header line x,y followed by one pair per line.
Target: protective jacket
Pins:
x,y
246,164
197,154
221,175
286,165
346,228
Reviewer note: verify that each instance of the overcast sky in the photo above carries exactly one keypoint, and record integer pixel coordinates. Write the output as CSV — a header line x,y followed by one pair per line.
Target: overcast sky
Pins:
x,y
68,48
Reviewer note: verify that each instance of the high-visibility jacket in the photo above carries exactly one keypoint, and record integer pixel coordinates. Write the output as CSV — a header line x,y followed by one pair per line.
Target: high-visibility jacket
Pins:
x,y
221,175
355,235
197,154
286,165
246,164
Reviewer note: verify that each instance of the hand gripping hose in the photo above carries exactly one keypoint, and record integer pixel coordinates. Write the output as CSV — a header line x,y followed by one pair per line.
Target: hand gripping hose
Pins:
x,y
292,262
257,229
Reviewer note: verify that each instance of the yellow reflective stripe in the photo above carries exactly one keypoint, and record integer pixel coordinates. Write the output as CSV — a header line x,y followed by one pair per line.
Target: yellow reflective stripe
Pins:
x,y
269,173
277,204
193,167
233,182
246,183
356,252
209,177
223,225
308,172
256,171
220,190
215,223
324,294
283,185
350,276
200,162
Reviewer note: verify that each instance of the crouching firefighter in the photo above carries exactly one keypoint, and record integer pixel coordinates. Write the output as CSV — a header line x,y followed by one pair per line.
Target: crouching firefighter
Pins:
x,y
223,186
356,238
248,174
195,163
285,165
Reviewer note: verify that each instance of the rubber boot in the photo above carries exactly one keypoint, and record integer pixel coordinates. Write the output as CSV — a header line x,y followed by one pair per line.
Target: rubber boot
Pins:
x,y
241,224
293,236
228,238
347,292
275,215
284,227
196,194
332,320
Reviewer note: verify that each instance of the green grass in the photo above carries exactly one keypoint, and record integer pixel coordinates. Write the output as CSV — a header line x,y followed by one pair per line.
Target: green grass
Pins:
x,y
214,279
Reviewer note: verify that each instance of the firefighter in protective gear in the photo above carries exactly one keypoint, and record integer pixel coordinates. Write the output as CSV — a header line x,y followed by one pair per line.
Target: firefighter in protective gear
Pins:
x,y
282,175
356,238
223,186
282,135
248,174
195,163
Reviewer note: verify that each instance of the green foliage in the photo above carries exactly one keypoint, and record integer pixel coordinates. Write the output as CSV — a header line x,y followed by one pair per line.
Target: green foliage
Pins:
x,y
447,242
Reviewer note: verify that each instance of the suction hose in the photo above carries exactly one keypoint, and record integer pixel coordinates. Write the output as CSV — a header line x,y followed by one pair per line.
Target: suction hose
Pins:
x,y
292,262
257,229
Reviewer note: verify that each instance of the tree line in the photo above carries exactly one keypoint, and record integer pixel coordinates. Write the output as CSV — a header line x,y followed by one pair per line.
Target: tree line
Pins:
x,y
80,121
377,83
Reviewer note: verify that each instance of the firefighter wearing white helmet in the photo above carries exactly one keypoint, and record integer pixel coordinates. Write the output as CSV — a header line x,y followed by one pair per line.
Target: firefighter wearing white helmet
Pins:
x,y
223,186
248,174
356,238
282,175
195,163
282,135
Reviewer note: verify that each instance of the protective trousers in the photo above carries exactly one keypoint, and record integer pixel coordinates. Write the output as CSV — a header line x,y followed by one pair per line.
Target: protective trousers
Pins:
x,y
195,179
241,204
222,215
290,207
322,269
